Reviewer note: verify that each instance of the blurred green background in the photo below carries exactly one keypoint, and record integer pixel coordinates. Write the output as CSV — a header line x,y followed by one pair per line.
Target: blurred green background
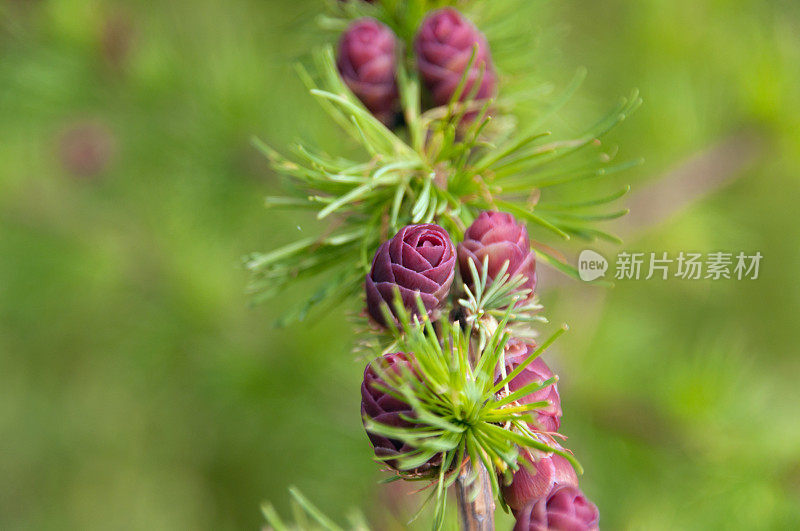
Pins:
x,y
138,390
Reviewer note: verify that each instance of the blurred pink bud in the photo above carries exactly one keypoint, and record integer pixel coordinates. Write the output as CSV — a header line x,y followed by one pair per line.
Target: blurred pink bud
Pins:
x,y
443,47
367,62
86,148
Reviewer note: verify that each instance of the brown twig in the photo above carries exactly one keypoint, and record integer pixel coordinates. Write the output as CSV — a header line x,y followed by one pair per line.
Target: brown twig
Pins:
x,y
475,514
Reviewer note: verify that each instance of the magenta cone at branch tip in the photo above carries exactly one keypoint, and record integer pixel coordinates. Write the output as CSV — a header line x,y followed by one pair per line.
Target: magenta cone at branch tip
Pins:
x,y
418,260
566,508
548,419
443,47
537,477
367,62
386,409
498,236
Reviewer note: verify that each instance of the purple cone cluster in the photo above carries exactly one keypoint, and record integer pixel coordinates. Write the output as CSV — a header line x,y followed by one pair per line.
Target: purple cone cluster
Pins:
x,y
416,264
368,54
419,263
543,493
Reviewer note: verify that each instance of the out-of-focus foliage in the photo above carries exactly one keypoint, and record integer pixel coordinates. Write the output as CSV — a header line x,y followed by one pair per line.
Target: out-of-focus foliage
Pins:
x,y
138,391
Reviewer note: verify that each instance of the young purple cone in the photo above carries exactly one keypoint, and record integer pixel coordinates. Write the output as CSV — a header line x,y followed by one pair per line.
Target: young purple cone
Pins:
x,y
548,419
443,47
384,408
564,509
498,236
367,60
418,261
538,477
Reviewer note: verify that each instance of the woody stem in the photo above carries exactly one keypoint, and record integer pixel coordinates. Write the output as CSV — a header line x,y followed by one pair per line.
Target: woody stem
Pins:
x,y
475,514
